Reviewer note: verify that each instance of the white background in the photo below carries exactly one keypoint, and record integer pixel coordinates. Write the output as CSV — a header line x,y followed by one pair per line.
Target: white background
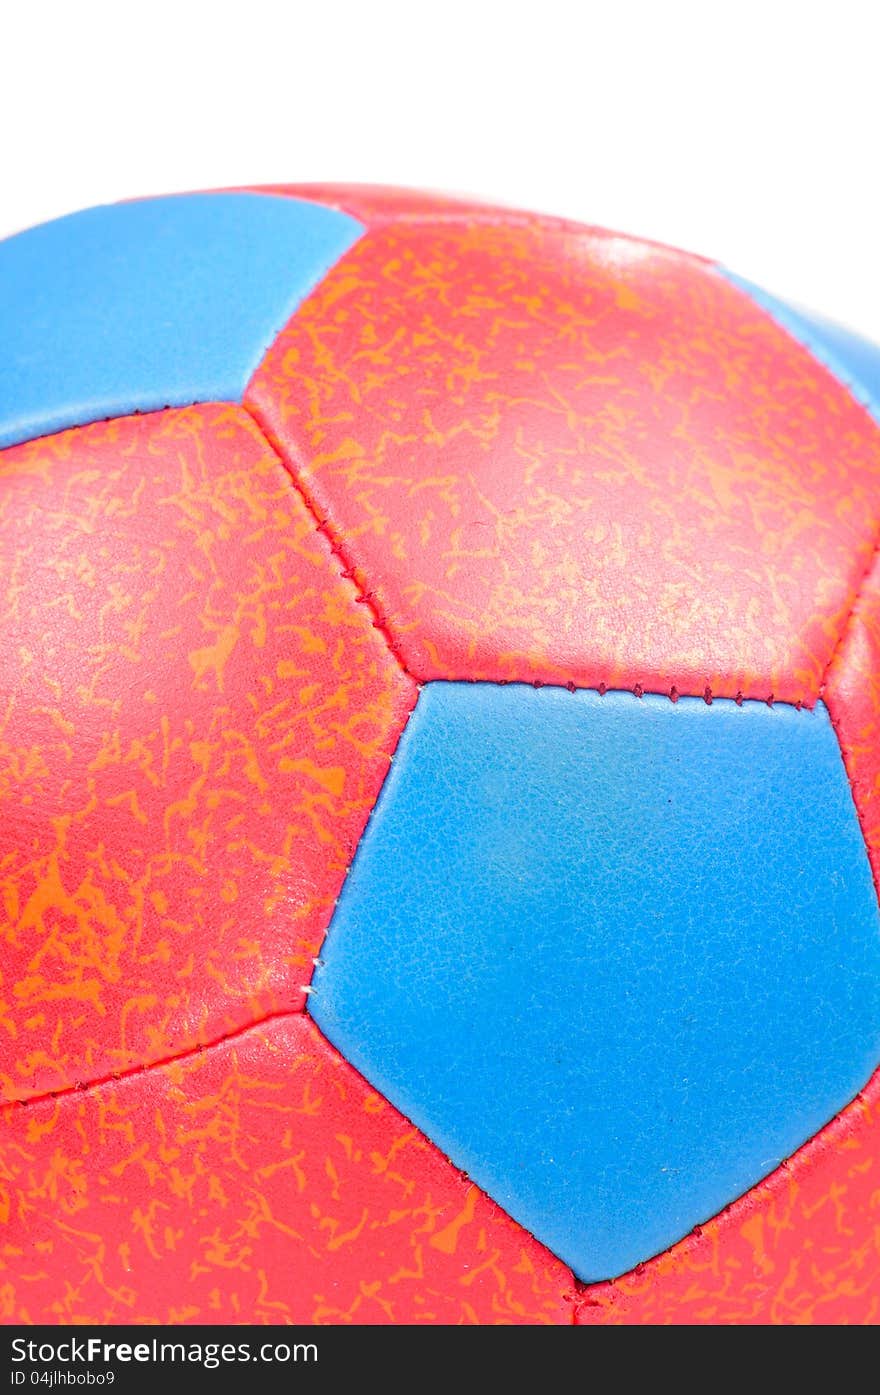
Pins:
x,y
748,132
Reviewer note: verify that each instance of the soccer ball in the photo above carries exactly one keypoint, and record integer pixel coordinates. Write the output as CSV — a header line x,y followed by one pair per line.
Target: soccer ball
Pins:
x,y
440,774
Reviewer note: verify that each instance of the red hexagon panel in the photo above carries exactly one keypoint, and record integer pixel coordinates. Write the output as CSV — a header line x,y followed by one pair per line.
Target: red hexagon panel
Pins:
x,y
198,716
575,458
260,1180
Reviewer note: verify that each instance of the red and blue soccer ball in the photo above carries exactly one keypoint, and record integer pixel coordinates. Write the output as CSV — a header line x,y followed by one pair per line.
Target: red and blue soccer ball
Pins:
x,y
440,772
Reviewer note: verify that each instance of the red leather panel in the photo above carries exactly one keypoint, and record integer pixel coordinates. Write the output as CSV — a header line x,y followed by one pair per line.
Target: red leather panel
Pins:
x,y
376,205
575,458
260,1180
197,717
852,694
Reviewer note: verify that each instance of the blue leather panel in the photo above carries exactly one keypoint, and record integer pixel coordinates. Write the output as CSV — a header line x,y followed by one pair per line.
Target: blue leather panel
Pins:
x,y
853,360
152,304
617,957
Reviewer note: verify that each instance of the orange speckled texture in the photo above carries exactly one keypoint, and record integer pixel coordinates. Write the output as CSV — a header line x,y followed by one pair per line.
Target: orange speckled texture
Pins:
x,y
852,695
802,1247
531,452
577,458
196,718
259,1180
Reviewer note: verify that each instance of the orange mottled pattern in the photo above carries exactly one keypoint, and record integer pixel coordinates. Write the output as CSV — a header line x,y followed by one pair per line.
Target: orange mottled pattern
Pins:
x,y
260,1180
852,695
512,450
575,458
196,716
803,1247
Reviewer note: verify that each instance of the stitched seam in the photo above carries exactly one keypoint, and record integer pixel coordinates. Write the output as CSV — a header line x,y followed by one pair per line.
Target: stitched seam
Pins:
x,y
638,690
379,621
574,1285
328,532
844,747
361,598
491,217
827,359
572,1281
82,1087
307,989
130,1072
850,615
739,1203
367,599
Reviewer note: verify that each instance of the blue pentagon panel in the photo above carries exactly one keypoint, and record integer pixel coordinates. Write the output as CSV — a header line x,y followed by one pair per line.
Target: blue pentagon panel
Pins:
x,y
853,360
617,957
158,303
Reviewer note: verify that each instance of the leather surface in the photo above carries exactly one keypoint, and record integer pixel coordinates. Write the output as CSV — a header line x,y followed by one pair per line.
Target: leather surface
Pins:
x,y
801,1248
850,357
852,692
156,303
527,450
804,1246
373,204
377,205
261,1181
575,458
618,957
196,719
